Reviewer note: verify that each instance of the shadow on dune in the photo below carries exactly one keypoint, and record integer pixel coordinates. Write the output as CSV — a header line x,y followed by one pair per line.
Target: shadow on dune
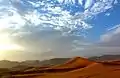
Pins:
x,y
73,64
75,68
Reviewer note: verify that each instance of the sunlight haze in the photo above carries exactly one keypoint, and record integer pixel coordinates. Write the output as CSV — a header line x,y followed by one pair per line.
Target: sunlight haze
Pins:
x,y
42,29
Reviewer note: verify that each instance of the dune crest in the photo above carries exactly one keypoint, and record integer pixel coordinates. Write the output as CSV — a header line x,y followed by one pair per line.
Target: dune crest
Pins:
x,y
77,67
76,62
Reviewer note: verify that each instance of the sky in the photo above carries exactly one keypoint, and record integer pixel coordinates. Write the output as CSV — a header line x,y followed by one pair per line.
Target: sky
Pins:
x,y
44,29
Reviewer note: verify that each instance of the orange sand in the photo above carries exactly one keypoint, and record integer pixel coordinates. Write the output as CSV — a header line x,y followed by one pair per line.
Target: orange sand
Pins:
x,y
82,68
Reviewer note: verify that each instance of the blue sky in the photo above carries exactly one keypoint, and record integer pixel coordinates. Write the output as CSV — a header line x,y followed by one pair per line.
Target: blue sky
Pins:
x,y
102,22
59,28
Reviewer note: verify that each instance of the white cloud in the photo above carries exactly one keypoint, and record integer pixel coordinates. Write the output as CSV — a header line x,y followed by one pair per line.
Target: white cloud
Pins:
x,y
10,18
99,7
106,37
66,1
33,17
36,4
55,17
15,0
114,27
60,1
60,22
94,7
89,3
49,17
112,37
116,1
107,14
80,1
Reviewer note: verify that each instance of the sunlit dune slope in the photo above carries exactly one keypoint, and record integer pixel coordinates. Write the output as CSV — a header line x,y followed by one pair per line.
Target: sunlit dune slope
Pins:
x,y
95,70
72,64
77,62
83,69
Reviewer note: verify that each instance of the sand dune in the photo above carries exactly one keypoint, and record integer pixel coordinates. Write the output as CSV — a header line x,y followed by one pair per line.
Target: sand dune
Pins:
x,y
76,62
77,68
72,64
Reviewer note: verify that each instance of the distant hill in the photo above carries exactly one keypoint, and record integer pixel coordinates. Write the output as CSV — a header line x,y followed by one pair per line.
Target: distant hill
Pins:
x,y
54,61
29,63
105,58
76,67
8,64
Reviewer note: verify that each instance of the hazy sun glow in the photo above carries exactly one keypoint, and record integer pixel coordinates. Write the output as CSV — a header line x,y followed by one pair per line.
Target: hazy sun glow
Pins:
x,y
6,45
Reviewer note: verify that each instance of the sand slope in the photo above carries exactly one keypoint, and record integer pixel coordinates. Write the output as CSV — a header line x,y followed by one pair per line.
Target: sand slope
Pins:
x,y
80,68
76,62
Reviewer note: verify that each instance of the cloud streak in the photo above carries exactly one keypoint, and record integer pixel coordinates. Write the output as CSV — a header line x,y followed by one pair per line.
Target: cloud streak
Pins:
x,y
111,38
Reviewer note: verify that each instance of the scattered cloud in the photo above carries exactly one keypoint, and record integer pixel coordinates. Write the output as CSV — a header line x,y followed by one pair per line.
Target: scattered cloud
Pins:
x,y
108,44
54,29
107,14
50,15
112,38
114,27
47,42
